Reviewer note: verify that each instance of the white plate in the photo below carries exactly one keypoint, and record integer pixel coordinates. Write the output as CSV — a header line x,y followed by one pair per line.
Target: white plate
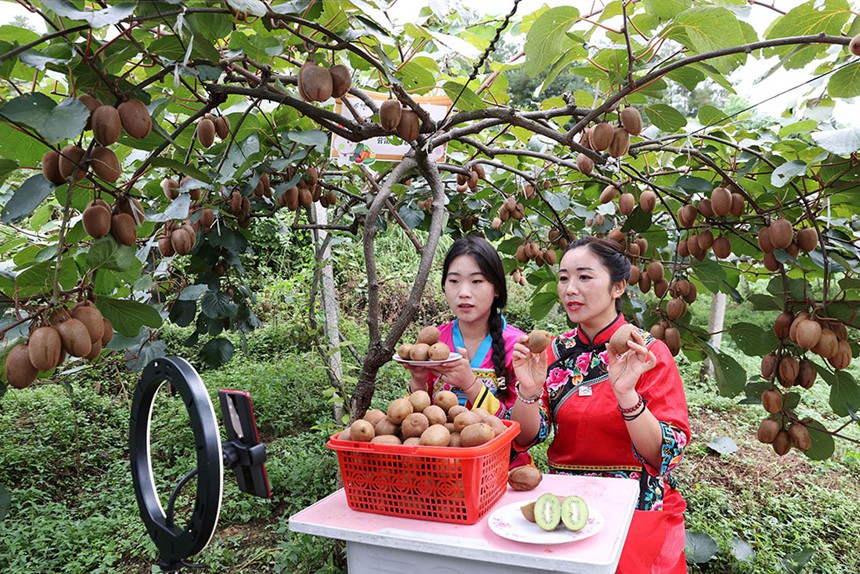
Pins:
x,y
451,357
509,522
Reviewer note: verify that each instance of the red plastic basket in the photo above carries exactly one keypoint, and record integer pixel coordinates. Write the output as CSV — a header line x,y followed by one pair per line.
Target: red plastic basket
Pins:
x,y
443,484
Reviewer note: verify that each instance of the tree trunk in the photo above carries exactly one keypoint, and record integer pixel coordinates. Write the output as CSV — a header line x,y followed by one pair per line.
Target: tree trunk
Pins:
x,y
330,308
715,327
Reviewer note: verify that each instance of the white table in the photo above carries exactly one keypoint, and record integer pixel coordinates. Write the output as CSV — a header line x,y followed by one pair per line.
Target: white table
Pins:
x,y
381,544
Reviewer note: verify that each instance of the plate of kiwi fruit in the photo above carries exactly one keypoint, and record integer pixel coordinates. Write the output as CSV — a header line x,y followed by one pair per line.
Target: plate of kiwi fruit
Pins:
x,y
427,351
551,519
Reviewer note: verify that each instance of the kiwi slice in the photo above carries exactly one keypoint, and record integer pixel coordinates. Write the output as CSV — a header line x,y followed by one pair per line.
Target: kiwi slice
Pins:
x,y
574,513
547,511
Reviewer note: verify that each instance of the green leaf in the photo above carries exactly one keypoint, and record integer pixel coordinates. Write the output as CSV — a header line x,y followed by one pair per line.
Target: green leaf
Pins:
x,y
416,77
823,445
542,304
106,253
176,209
96,19
723,445
706,29
54,122
729,375
547,38
783,174
223,236
182,313
467,101
712,116
210,26
150,351
803,126
692,184
821,17
128,316
181,167
217,305
845,83
258,47
40,60
666,9
795,562
217,352
318,139
638,221
26,198
762,302
742,550
254,7
699,547
844,393
665,117
754,340
193,292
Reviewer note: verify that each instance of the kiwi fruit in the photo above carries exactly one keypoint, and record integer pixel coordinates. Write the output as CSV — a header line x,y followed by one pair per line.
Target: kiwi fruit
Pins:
x,y
620,142
373,416
676,308
445,400
608,194
782,443
808,334
419,352
341,80
782,327
799,436
722,247
20,372
618,341
721,201
75,337
705,208
315,83
626,203
170,187
165,247
672,338
807,238
95,351
574,512
106,125
414,425
528,510
135,118
96,220
538,341
428,335
44,348
767,431
787,370
764,241
361,430
386,439
601,136
404,351
107,333
105,164
647,201
781,233
123,229
71,158
827,345
524,477
465,419
772,401
455,411
91,317
91,104
584,164
687,216
51,167
398,410
385,426
768,364
306,198
439,351
435,415
436,435
409,125
476,434
222,127
181,241
854,45
420,400
631,120
655,271
547,511
206,132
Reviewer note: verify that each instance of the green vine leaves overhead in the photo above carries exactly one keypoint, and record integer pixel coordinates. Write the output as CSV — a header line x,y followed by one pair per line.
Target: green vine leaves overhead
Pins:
x,y
139,141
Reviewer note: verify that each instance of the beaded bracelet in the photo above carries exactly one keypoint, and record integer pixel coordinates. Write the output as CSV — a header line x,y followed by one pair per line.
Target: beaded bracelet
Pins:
x,y
634,408
629,418
525,400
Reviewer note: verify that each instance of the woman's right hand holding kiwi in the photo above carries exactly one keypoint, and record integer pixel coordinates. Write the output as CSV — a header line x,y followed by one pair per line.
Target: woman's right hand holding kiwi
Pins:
x,y
530,368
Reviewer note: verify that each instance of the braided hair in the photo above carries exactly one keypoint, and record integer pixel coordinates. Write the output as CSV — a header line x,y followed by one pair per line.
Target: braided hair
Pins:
x,y
610,254
490,264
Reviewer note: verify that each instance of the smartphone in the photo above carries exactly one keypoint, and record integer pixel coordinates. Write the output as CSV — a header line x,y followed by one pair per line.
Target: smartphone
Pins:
x,y
243,448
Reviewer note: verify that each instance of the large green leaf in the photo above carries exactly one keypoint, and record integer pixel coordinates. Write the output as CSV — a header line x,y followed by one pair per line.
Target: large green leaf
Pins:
x,y
730,376
843,141
217,352
128,316
26,199
217,305
181,167
542,304
106,253
97,18
823,444
5,502
783,174
547,38
54,122
752,339
253,7
699,547
462,96
665,117
845,83
666,9
706,29
820,17
844,393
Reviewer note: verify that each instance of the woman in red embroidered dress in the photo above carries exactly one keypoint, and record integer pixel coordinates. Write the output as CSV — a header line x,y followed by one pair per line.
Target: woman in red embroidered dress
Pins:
x,y
612,415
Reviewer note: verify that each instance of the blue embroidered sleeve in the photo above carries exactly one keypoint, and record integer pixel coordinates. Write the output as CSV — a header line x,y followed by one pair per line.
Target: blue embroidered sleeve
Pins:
x,y
542,434
671,451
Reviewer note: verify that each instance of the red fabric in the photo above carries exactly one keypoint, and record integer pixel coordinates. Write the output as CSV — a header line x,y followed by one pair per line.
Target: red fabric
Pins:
x,y
655,541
